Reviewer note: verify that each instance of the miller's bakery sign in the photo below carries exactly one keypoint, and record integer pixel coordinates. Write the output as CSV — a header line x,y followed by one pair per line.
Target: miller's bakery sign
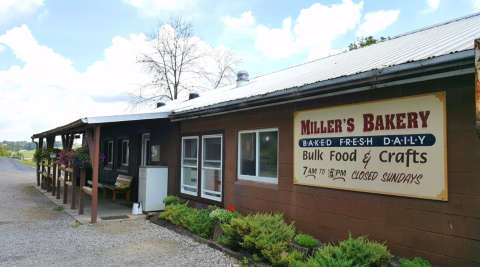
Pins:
x,y
396,146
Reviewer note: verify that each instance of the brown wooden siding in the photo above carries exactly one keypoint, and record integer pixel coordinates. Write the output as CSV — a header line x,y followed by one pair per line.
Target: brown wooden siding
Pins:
x,y
162,132
446,233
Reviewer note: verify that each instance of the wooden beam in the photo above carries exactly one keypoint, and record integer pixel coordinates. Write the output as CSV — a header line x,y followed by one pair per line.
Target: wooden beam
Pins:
x,y
64,144
74,185
70,144
95,163
90,142
82,193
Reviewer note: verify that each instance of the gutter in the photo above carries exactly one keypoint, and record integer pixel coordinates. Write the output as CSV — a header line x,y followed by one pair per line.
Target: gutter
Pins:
x,y
439,67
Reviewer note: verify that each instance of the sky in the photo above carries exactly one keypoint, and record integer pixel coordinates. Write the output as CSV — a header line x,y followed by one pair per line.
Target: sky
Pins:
x,y
65,60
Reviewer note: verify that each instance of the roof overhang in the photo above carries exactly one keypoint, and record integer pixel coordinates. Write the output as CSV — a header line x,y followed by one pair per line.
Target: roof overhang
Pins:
x,y
81,124
433,68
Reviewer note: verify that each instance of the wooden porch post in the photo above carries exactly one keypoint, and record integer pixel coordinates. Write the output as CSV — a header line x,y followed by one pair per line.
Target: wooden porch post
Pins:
x,y
82,193
40,168
95,160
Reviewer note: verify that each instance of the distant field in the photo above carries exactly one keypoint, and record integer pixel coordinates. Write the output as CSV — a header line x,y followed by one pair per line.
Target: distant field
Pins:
x,y
29,154
28,163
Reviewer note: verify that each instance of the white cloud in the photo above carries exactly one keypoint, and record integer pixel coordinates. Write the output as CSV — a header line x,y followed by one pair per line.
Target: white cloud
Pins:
x,y
476,5
153,8
12,9
432,6
48,91
245,20
276,43
313,31
377,21
2,48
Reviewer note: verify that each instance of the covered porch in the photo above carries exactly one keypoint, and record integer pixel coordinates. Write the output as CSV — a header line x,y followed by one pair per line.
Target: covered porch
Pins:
x,y
107,209
83,196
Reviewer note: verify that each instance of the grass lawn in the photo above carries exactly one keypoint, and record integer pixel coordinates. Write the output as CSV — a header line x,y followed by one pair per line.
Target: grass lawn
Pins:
x,y
28,154
27,162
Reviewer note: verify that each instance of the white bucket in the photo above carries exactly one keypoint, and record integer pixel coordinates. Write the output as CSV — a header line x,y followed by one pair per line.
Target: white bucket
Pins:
x,y
137,209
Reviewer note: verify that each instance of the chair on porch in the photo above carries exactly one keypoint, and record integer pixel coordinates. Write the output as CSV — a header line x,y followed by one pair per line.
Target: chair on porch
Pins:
x,y
122,186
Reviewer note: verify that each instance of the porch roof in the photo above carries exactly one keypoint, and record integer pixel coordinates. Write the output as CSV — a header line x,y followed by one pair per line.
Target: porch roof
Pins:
x,y
80,124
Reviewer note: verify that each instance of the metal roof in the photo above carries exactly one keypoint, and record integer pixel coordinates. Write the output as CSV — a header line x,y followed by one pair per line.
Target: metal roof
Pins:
x,y
432,45
423,44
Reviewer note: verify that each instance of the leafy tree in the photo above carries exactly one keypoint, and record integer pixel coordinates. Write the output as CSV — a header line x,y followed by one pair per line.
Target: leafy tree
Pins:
x,y
3,151
365,41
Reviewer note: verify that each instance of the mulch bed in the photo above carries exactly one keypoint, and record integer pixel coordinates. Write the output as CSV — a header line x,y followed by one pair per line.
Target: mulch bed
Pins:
x,y
153,217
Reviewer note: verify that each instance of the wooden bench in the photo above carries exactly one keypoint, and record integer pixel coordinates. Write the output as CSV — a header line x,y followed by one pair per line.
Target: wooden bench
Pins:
x,y
122,181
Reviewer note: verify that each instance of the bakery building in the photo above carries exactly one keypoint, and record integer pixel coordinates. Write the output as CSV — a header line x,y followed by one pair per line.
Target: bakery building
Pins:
x,y
379,141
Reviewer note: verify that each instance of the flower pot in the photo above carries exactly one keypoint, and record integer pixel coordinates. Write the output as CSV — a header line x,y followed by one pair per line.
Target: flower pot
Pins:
x,y
307,252
217,231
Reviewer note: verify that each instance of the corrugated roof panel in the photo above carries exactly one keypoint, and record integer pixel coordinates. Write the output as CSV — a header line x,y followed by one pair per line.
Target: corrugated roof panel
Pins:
x,y
438,40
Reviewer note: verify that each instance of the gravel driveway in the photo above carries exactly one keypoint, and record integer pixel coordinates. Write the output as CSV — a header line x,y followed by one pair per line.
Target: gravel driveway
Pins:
x,y
32,234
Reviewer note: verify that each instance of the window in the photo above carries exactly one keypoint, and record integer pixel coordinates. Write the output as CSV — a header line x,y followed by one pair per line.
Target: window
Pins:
x,y
125,152
212,167
110,152
189,172
258,155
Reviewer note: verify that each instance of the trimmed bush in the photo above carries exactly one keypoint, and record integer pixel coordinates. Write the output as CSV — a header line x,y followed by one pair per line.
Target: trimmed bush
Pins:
x,y
196,221
416,262
306,241
351,252
259,233
223,216
169,199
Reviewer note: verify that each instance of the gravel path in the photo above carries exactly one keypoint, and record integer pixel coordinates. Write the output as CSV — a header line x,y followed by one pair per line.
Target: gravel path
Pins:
x,y
11,165
32,234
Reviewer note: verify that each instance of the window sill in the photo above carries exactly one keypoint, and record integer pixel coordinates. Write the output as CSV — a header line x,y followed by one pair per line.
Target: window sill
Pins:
x,y
108,167
245,182
123,169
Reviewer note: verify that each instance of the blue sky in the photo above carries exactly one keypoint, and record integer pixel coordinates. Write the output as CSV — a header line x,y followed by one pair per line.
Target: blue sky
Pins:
x,y
80,54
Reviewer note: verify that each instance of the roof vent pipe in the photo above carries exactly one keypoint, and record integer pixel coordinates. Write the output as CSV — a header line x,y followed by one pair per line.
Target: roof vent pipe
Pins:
x,y
193,95
242,78
160,104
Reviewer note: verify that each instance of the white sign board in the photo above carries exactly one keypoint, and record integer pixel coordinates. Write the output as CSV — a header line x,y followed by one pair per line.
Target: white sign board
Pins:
x,y
396,146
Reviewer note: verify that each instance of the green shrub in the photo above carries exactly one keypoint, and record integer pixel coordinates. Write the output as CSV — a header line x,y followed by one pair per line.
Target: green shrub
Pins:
x,y
223,216
259,233
200,223
175,213
196,221
244,262
169,199
306,241
290,259
416,262
351,252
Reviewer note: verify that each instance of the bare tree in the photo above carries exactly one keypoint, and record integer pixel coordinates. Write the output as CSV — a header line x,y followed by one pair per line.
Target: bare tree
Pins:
x,y
178,62
221,71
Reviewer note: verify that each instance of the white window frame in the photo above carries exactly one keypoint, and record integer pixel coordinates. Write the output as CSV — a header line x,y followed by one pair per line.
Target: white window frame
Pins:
x,y
211,168
110,151
128,151
191,166
144,148
257,156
